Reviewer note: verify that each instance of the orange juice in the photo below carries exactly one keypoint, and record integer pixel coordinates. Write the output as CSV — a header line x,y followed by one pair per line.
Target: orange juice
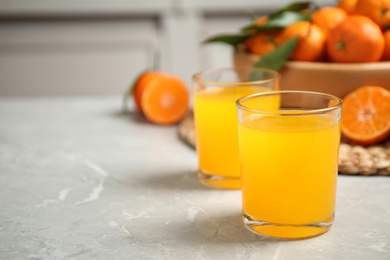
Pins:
x,y
216,126
289,172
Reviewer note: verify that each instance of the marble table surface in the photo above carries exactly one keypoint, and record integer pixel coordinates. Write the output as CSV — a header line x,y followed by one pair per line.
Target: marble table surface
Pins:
x,y
81,180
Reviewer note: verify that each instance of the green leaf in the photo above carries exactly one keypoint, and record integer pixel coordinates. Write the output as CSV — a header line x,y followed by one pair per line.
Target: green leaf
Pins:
x,y
276,59
278,21
130,91
231,39
256,29
284,19
295,7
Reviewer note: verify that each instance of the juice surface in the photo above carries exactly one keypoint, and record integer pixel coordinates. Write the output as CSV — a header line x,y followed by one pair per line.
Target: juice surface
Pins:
x,y
216,126
289,167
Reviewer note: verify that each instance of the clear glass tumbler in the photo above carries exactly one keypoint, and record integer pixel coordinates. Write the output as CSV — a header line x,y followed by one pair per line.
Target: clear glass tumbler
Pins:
x,y
289,162
215,92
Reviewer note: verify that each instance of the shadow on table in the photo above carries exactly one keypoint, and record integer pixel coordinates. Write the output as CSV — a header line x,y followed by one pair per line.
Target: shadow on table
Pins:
x,y
172,181
213,227
221,230
130,116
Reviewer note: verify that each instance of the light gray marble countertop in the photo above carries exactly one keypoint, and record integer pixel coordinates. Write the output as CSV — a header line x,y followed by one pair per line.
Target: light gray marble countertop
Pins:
x,y
80,180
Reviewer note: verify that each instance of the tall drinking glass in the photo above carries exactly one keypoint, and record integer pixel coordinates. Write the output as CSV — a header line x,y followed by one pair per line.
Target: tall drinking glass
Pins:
x,y
289,162
215,92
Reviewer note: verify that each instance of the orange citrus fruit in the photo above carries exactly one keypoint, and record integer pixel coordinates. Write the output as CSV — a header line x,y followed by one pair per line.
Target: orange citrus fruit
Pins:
x,y
347,5
377,10
141,83
366,115
386,51
328,17
258,22
162,98
261,20
311,42
261,43
356,39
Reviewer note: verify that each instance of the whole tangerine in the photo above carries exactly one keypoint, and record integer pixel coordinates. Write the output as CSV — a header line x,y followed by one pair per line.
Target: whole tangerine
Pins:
x,y
347,5
376,10
328,17
311,42
386,51
261,43
356,39
261,20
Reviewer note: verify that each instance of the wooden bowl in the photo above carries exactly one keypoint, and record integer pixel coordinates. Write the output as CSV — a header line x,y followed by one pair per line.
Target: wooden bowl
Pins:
x,y
337,79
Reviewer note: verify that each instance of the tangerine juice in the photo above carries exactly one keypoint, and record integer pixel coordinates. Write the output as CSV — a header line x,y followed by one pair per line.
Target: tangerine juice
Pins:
x,y
289,170
216,126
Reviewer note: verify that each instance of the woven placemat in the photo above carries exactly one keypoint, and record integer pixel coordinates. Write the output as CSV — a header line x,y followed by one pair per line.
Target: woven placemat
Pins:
x,y
354,159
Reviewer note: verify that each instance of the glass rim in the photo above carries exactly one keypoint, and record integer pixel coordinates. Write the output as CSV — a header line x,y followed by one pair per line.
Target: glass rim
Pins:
x,y
289,112
196,76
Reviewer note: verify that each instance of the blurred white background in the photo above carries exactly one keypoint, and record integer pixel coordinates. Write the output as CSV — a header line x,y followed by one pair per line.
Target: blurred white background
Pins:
x,y
91,47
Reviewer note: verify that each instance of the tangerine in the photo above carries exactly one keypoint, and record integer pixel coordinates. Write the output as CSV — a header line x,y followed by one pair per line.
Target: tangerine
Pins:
x,y
376,10
386,51
328,17
311,42
161,98
261,20
260,43
366,115
140,84
356,39
258,22
347,5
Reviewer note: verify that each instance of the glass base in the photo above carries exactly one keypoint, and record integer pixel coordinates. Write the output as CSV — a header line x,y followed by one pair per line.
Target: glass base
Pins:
x,y
286,231
216,181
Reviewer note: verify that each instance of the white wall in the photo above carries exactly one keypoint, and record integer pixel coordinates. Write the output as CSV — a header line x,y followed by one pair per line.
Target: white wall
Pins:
x,y
90,47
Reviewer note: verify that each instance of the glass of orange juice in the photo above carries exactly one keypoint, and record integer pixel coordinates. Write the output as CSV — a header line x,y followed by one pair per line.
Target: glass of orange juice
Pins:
x,y
215,92
289,162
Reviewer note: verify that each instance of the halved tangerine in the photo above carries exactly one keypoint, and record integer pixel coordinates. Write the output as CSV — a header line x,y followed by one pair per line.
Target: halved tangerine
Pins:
x,y
165,100
140,84
366,115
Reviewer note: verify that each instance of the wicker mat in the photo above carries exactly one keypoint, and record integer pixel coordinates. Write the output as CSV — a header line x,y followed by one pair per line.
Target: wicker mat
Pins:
x,y
354,159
